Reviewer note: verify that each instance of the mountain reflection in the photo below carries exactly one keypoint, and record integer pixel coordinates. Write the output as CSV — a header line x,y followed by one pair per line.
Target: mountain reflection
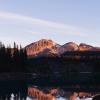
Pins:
x,y
21,90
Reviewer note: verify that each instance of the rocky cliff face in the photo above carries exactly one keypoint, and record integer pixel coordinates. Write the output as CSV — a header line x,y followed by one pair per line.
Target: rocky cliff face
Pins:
x,y
40,46
70,46
85,47
47,47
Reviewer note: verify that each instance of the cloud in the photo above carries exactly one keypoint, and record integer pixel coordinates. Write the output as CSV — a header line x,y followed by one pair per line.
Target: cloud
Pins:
x,y
40,25
24,29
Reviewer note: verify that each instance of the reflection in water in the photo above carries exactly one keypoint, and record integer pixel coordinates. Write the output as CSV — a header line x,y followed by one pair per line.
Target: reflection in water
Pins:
x,y
19,90
16,90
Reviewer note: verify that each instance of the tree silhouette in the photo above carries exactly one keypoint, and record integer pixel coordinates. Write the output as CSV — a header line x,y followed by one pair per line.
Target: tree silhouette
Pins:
x,y
12,59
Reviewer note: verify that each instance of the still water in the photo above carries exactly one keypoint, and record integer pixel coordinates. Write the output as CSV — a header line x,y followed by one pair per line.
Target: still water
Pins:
x,y
18,90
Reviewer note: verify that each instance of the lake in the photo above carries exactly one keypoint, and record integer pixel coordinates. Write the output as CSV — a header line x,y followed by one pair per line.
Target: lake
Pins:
x,y
19,90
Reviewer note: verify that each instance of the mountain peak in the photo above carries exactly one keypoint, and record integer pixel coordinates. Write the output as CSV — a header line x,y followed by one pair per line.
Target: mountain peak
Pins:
x,y
85,47
49,47
70,46
39,46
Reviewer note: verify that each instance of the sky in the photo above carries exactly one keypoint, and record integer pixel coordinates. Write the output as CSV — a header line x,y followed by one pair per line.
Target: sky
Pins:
x,y
26,21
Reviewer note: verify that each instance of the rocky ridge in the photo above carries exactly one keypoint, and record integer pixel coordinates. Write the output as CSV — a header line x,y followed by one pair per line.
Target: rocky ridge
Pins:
x,y
45,47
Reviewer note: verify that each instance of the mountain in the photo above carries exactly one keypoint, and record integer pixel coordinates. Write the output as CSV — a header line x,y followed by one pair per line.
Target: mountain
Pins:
x,y
86,47
70,46
46,47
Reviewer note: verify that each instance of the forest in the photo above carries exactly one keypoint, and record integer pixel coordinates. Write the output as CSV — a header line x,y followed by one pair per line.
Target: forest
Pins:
x,y
73,66
12,59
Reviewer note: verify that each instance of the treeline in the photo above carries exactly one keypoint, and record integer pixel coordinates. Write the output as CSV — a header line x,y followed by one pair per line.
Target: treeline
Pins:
x,y
74,61
84,55
72,67
12,59
69,67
